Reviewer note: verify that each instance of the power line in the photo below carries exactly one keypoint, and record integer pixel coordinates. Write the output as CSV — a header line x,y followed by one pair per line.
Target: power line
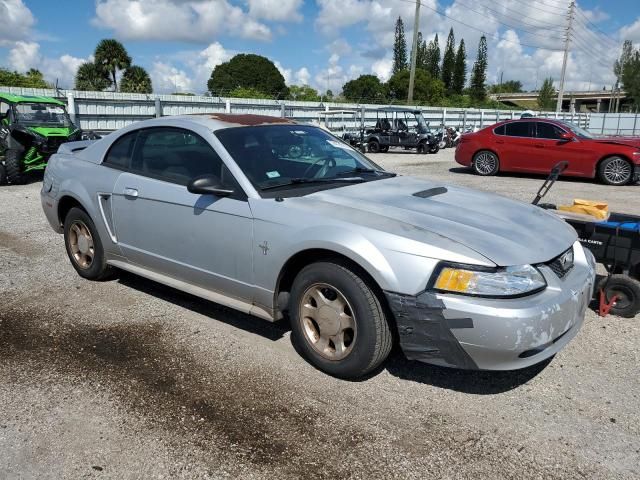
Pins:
x,y
512,26
529,5
441,13
596,27
540,23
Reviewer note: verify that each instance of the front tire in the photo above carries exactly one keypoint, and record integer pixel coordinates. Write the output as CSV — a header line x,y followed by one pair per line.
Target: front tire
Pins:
x,y
615,171
374,146
13,165
486,163
84,246
423,148
627,291
337,321
3,174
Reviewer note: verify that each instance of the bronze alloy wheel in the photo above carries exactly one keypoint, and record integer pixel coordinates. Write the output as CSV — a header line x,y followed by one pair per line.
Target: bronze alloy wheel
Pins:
x,y
328,321
81,245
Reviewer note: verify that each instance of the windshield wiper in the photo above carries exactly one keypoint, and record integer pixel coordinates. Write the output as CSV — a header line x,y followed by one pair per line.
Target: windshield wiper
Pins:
x,y
299,181
368,170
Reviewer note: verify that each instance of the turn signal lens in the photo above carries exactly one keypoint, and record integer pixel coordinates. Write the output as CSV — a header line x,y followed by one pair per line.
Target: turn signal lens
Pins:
x,y
454,280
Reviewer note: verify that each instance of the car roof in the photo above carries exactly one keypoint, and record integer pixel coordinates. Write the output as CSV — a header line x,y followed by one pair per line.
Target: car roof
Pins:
x,y
11,98
212,121
394,109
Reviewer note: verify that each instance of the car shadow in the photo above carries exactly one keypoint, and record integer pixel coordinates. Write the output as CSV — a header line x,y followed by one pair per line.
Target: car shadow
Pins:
x,y
531,176
249,323
465,381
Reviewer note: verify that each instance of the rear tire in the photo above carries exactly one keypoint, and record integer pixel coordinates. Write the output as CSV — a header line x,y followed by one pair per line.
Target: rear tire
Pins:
x,y
374,146
13,165
3,174
615,171
628,291
84,246
433,149
337,321
486,163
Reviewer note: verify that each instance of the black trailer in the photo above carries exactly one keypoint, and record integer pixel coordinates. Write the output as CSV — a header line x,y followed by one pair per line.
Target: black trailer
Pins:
x,y
615,244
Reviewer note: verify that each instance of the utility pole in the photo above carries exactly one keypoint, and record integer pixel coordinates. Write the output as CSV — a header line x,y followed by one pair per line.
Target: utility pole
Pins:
x,y
414,53
567,45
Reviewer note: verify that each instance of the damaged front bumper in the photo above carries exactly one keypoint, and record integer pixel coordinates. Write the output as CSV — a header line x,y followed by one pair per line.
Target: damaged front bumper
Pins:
x,y
496,334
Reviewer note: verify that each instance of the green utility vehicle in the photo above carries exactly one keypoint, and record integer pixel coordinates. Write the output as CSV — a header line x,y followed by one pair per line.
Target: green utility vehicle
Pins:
x,y
31,130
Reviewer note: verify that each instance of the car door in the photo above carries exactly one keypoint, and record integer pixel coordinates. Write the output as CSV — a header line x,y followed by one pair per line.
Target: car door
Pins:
x,y
517,150
203,240
558,150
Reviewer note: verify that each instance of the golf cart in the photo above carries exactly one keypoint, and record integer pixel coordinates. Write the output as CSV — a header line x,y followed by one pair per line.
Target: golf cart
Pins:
x,y
31,130
400,127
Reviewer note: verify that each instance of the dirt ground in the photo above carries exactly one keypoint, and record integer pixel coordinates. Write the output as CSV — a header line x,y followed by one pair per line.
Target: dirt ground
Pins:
x,y
128,379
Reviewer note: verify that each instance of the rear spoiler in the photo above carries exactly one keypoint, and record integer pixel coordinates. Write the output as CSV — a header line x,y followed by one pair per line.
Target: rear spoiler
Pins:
x,y
70,148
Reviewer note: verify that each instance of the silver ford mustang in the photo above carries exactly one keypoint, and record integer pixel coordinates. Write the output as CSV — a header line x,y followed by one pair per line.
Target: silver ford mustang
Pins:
x,y
276,219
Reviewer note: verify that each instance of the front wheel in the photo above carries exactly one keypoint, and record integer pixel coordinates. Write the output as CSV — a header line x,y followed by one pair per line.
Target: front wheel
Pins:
x,y
615,171
3,174
337,321
435,148
486,163
374,146
384,149
423,148
626,291
84,246
13,165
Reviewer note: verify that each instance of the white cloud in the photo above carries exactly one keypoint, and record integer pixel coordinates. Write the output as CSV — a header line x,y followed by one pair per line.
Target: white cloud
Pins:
x,y
382,68
168,79
16,20
190,20
26,55
631,32
303,76
276,10
285,72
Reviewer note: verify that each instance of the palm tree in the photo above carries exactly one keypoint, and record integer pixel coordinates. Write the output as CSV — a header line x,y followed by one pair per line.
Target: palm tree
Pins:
x,y
136,80
111,55
92,77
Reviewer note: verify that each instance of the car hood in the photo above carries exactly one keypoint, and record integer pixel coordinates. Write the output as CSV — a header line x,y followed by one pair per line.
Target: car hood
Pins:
x,y
504,231
631,142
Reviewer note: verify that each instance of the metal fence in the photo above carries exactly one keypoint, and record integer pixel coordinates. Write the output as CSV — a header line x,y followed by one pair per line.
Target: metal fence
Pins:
x,y
108,111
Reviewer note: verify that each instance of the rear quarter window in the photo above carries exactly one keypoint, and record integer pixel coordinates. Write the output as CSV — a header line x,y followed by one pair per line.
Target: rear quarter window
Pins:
x,y
119,155
500,130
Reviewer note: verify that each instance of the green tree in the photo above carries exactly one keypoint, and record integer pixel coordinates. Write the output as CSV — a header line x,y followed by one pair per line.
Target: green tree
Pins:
x,y
547,95
427,90
432,60
460,70
399,48
248,71
111,55
32,79
627,70
247,92
449,62
91,77
365,88
328,95
421,57
478,88
510,86
303,93
136,80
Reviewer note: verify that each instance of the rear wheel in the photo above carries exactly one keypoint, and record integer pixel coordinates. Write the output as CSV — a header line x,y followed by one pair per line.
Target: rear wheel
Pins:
x,y
435,148
337,321
84,247
626,290
615,171
486,163
3,174
374,146
13,165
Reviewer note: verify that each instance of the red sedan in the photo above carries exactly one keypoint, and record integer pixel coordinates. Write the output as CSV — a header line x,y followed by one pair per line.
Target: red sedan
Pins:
x,y
535,145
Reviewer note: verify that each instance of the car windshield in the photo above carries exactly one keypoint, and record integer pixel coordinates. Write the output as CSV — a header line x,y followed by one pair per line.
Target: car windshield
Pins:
x,y
580,132
42,114
276,157
423,126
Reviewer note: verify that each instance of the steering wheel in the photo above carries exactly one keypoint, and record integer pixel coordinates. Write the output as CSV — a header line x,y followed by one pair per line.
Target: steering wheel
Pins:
x,y
329,162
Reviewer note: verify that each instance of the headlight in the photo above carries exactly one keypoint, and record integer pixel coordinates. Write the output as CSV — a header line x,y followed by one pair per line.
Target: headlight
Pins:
x,y
503,282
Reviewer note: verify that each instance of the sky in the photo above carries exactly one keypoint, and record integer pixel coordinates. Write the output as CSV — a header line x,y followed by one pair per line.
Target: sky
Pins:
x,y
323,43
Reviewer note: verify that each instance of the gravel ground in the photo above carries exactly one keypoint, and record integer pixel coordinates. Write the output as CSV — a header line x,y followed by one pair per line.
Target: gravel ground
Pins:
x,y
130,379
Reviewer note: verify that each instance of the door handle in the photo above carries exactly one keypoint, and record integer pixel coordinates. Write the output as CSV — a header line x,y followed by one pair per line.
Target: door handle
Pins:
x,y
500,142
130,192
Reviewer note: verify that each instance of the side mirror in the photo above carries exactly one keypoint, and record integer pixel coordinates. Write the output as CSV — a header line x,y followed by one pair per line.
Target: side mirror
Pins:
x,y
566,137
208,185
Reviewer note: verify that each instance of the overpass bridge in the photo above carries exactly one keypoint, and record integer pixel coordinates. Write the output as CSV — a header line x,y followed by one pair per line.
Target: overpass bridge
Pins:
x,y
604,101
